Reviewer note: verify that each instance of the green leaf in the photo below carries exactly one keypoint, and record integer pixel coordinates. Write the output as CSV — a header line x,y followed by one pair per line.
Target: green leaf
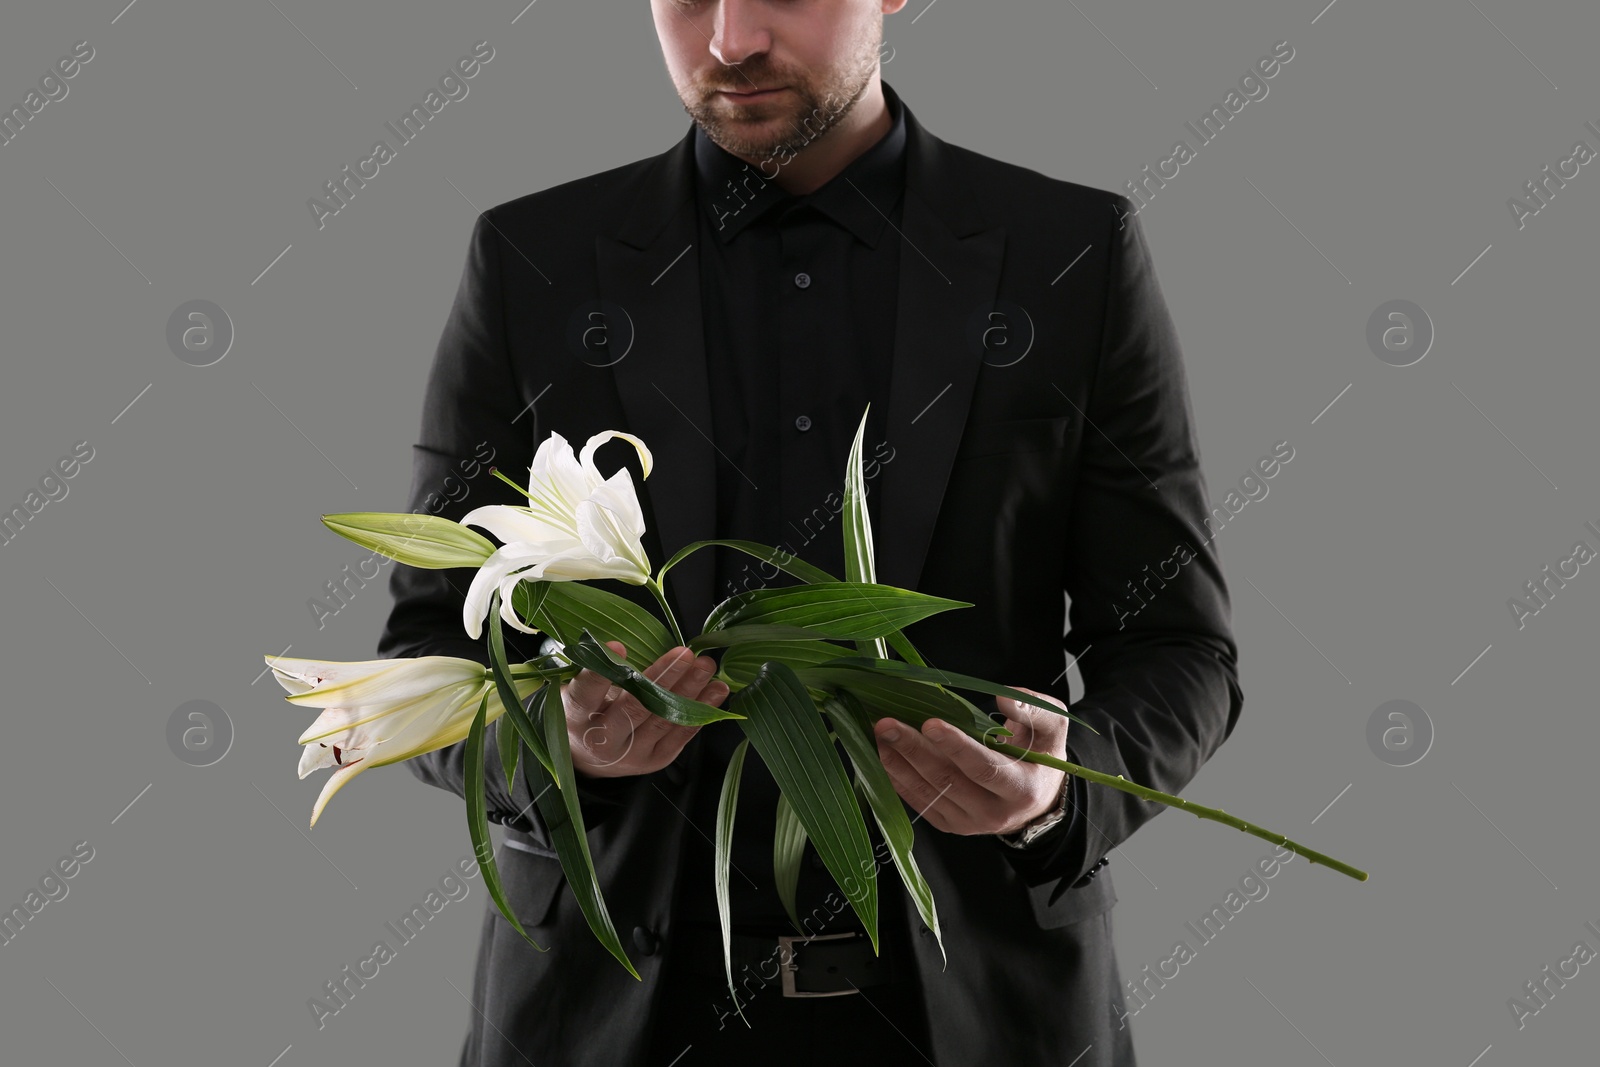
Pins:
x,y
773,557
568,608
725,811
478,820
743,662
789,734
563,816
768,633
951,678
788,850
909,701
430,542
844,611
510,747
506,688
857,528
788,563
854,729
674,707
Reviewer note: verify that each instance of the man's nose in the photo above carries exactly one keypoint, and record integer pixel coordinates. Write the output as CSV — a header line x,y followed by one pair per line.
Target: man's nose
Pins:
x,y
740,31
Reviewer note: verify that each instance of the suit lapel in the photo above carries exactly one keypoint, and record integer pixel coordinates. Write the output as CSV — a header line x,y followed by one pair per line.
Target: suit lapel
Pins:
x,y
651,269
949,270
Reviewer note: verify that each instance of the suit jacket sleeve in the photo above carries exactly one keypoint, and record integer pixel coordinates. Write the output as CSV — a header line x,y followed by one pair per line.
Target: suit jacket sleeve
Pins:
x,y
470,422
1149,618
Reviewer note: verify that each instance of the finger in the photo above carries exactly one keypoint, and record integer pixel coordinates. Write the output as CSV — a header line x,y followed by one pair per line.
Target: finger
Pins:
x,y
697,677
916,791
990,771
1038,729
670,668
588,691
927,773
677,670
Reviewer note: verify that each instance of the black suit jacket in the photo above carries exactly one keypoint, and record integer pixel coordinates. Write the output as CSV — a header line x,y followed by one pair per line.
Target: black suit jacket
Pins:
x,y
1045,468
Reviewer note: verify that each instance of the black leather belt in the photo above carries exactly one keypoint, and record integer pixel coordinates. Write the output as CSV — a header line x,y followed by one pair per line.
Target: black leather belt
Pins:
x,y
823,965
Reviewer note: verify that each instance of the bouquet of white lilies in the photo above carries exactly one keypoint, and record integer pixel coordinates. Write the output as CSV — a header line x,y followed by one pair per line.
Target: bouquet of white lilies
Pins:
x,y
806,665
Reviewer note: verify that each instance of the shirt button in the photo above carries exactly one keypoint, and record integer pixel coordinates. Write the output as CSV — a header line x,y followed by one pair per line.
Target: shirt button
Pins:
x,y
803,280
803,422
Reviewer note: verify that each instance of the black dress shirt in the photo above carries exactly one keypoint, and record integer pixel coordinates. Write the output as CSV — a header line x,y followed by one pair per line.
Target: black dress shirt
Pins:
x,y
798,300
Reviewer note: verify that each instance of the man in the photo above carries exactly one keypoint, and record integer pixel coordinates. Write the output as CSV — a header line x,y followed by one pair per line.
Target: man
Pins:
x,y
806,249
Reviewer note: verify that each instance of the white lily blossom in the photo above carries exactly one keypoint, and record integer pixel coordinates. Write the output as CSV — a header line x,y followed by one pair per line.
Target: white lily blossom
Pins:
x,y
377,712
578,525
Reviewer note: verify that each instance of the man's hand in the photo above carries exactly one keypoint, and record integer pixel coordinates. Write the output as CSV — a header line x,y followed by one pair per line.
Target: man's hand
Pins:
x,y
963,787
613,735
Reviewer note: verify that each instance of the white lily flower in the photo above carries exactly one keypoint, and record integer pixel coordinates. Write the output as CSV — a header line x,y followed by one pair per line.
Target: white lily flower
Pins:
x,y
377,712
578,525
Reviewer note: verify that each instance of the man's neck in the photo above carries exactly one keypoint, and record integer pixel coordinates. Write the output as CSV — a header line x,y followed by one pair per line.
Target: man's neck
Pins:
x,y
817,163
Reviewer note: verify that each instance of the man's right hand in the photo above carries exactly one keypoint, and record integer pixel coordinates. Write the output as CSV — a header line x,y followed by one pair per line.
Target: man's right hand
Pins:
x,y
613,735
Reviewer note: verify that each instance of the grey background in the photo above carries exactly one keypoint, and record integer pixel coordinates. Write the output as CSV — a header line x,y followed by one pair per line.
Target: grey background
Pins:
x,y
1377,568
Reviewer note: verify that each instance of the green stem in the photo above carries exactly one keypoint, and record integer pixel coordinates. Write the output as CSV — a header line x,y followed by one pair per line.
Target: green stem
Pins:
x,y
1197,810
661,597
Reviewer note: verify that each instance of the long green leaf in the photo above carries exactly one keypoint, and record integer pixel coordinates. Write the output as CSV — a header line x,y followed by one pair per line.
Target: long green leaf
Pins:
x,y
569,608
788,850
767,633
788,732
510,747
726,804
563,817
674,707
911,702
743,662
854,729
857,529
951,678
788,564
783,561
478,820
845,611
515,714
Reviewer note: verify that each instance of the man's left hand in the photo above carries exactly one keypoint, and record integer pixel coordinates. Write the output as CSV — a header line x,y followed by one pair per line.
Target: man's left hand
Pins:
x,y
962,786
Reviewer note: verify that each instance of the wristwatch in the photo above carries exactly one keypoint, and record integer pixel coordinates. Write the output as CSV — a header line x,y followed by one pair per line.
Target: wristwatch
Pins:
x,y
1037,828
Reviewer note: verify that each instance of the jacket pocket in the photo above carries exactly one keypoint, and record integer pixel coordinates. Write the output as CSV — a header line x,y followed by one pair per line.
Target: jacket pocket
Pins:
x,y
1010,436
1073,905
531,875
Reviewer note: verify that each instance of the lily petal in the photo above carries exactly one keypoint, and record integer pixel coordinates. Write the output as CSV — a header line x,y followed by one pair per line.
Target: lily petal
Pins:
x,y
327,683
587,457
335,782
506,561
511,525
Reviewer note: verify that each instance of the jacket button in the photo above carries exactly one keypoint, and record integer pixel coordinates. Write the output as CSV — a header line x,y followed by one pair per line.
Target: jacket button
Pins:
x,y
646,940
923,930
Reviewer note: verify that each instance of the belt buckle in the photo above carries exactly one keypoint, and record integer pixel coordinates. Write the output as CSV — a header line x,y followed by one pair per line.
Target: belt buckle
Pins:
x,y
787,965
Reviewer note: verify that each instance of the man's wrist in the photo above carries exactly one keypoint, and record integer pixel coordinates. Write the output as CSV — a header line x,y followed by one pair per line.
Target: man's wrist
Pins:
x,y
1041,825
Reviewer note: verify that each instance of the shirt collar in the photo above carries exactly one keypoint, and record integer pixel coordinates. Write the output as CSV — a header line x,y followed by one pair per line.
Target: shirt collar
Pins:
x,y
859,198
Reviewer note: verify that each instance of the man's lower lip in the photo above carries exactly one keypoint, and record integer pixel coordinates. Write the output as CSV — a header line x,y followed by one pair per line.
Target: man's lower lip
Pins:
x,y
750,96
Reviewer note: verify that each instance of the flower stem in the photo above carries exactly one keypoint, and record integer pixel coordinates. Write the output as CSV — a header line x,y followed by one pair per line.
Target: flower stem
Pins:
x,y
1197,810
661,597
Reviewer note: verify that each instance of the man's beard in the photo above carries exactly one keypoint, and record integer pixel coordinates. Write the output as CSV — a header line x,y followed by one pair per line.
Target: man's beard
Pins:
x,y
783,126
